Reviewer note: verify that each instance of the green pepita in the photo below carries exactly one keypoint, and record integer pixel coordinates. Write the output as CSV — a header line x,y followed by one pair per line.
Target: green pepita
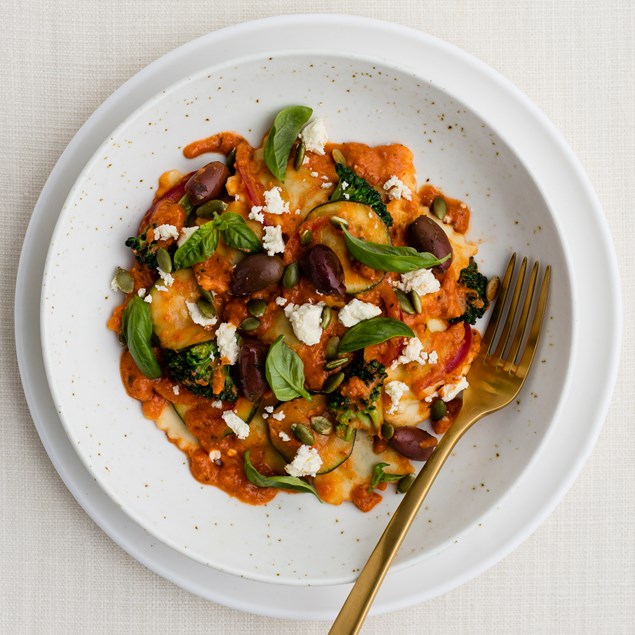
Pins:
x,y
415,299
291,275
206,295
404,302
322,425
439,208
302,433
123,280
387,431
338,157
333,382
164,261
207,210
336,363
438,410
206,308
404,483
339,222
249,324
306,237
298,160
327,315
330,352
257,308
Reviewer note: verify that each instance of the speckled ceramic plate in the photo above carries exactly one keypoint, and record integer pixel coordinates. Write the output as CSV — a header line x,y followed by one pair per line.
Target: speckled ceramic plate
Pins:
x,y
415,93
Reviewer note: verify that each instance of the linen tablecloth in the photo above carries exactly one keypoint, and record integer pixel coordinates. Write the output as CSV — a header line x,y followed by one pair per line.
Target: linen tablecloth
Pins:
x,y
59,573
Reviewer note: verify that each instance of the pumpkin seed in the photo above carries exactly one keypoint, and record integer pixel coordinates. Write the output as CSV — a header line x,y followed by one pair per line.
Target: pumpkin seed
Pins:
x,y
339,222
338,157
257,308
333,382
249,324
322,425
330,351
336,363
164,261
491,290
231,160
306,237
439,208
415,298
206,308
327,314
207,210
206,295
438,410
387,431
299,156
291,275
404,483
404,303
123,280
302,433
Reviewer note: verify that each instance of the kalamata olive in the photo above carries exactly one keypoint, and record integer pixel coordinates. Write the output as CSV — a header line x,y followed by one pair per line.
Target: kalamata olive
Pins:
x,y
324,269
424,234
413,443
207,183
251,368
256,272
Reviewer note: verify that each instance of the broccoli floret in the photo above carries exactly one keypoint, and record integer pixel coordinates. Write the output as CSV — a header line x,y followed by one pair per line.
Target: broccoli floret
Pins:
x,y
144,251
363,405
196,367
476,300
359,190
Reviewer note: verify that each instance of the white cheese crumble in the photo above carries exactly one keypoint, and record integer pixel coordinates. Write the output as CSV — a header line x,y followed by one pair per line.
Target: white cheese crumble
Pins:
x,y
272,240
186,233
347,196
148,299
198,317
160,287
227,344
325,186
214,455
305,320
396,189
166,277
395,390
433,357
141,292
357,311
217,404
315,174
420,280
175,389
314,136
269,409
280,301
284,436
412,353
344,185
450,391
278,416
256,214
274,203
163,232
306,462
236,424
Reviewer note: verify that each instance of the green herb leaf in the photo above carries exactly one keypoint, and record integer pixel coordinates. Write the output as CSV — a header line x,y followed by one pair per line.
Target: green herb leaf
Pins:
x,y
373,331
198,247
389,258
379,476
476,303
137,333
280,482
286,128
359,190
236,233
285,372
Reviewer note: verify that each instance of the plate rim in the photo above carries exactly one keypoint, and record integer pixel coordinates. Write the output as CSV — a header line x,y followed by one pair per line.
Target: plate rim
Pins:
x,y
305,21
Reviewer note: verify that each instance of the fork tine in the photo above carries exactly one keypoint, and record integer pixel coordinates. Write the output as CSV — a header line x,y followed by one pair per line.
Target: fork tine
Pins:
x,y
511,313
536,327
524,318
488,336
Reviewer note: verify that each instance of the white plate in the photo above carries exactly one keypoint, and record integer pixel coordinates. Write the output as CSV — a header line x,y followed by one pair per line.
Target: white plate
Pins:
x,y
563,185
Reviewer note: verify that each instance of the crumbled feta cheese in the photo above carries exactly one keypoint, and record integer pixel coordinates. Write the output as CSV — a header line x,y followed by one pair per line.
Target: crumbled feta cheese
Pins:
x,y
269,409
395,390
141,292
160,287
324,177
396,189
280,301
278,416
227,344
217,404
166,277
265,415
148,299
347,196
315,174
236,424
274,203
314,136
163,232
272,240
432,396
420,280
186,233
214,455
325,186
175,389
305,320
412,353
357,311
450,391
433,358
256,214
306,462
344,185
284,436
198,317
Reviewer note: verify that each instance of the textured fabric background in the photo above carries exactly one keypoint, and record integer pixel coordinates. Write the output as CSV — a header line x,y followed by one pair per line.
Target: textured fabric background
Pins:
x,y
60,59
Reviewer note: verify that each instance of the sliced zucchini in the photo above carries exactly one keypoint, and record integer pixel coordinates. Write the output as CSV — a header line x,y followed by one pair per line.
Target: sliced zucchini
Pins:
x,y
244,408
332,449
170,318
364,223
172,423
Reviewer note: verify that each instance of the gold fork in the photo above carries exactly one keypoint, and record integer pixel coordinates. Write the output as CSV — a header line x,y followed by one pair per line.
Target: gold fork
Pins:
x,y
495,378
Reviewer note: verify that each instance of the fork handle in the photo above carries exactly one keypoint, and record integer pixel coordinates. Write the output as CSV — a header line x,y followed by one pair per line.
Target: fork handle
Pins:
x,y
354,610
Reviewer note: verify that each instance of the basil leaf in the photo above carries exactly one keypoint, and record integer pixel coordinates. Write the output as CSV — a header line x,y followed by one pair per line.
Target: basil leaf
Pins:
x,y
198,247
373,331
136,327
285,130
280,482
379,476
236,233
285,372
389,258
